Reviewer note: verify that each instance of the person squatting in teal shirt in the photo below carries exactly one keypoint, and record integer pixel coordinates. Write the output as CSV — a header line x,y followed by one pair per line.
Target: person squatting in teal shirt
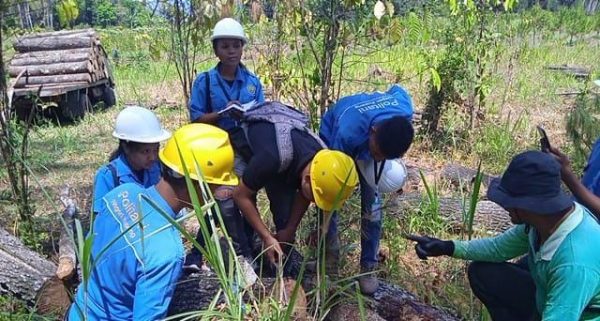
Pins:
x,y
561,238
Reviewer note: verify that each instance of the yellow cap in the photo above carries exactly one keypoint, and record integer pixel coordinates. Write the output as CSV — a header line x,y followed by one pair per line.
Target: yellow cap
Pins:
x,y
333,178
206,144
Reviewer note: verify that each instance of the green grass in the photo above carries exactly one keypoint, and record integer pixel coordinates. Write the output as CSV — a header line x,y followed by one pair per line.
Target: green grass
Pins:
x,y
71,153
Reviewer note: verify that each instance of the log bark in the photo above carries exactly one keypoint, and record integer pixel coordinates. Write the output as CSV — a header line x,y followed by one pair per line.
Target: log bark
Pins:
x,y
42,80
489,217
52,43
51,53
53,69
61,56
23,272
63,33
575,71
194,292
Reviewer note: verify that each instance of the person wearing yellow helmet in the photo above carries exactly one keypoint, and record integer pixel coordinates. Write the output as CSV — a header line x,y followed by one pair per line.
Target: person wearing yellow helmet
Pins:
x,y
295,169
138,255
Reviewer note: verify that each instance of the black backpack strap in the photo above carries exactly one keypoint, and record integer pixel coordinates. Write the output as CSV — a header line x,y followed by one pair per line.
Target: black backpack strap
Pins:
x,y
208,101
113,171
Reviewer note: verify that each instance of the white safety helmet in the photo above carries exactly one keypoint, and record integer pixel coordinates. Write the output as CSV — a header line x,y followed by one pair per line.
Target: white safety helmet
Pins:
x,y
229,28
140,125
392,177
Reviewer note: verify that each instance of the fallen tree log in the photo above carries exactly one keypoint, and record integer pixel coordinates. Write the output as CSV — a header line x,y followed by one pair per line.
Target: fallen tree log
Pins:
x,y
23,272
572,70
52,69
58,57
63,33
194,292
41,80
489,217
53,54
52,43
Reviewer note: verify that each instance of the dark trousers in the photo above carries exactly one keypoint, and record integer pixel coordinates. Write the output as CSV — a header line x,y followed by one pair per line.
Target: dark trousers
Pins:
x,y
237,227
506,289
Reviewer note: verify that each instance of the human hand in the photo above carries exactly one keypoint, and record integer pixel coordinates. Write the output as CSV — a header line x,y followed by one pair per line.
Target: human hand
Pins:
x,y
565,162
273,250
428,246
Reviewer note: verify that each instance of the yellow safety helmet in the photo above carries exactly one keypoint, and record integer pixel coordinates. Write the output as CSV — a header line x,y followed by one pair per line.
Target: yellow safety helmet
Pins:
x,y
206,144
333,177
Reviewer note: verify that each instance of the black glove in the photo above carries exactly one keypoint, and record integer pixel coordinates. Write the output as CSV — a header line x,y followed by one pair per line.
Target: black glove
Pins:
x,y
428,246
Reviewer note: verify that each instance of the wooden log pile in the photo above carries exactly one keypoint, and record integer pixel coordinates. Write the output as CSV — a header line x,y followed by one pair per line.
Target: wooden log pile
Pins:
x,y
58,59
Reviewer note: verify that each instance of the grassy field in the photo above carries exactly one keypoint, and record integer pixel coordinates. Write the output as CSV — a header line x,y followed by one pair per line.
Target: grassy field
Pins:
x,y
523,93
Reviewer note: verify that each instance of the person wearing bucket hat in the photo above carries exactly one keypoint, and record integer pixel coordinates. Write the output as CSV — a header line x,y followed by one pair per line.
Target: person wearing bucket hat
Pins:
x,y
135,160
137,253
559,236
375,129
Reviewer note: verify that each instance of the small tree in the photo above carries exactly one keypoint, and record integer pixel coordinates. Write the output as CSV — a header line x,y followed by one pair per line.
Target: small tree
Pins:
x,y
67,11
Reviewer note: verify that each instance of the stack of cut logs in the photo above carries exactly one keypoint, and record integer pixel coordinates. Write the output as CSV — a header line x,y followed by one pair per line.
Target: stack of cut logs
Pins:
x,y
62,58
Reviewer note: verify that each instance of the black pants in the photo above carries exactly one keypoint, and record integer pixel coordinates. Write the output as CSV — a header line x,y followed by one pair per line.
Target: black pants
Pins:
x,y
237,227
506,289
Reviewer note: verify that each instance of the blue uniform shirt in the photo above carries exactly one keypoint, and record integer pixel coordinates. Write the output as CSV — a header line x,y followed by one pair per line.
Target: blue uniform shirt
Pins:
x,y
346,125
245,88
104,181
591,173
135,278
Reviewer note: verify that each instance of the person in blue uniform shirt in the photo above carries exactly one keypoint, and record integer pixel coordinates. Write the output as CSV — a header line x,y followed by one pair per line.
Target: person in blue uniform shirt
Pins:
x,y
369,127
136,254
135,160
213,91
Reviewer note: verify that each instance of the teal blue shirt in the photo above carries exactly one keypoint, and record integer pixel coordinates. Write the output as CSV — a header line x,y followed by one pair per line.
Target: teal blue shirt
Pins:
x,y
565,269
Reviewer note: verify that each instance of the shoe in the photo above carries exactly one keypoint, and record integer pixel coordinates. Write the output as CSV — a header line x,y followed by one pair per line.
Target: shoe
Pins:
x,y
66,268
193,262
368,283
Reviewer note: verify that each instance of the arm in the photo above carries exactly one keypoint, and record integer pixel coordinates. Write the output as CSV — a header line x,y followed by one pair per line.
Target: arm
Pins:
x,y
508,245
103,183
154,289
299,208
564,301
197,108
260,95
584,195
243,197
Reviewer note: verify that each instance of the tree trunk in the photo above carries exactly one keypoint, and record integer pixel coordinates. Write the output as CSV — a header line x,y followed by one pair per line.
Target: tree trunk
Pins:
x,y
42,80
51,57
489,217
23,272
62,33
52,69
194,292
53,43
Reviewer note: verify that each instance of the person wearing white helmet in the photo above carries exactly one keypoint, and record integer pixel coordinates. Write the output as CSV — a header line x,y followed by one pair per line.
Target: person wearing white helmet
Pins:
x,y
135,160
213,91
228,82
